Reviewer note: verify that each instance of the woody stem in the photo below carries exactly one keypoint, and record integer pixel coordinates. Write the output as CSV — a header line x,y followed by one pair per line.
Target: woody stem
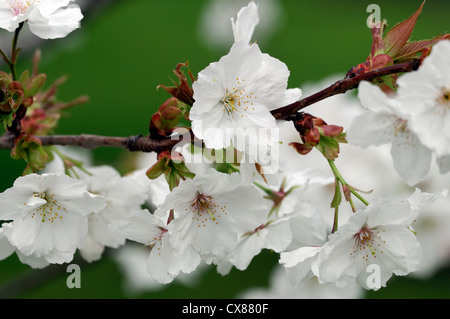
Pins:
x,y
348,83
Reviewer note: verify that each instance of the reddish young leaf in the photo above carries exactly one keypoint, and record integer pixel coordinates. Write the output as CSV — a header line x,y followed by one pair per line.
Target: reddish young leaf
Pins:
x,y
380,61
410,50
182,91
377,38
397,37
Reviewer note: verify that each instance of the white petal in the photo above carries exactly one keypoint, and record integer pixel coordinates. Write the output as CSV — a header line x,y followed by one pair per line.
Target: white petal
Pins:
x,y
292,95
139,226
91,250
164,263
247,19
389,211
298,263
8,20
35,201
32,261
420,200
374,99
401,252
47,7
13,202
307,226
59,257
247,248
335,260
293,258
411,159
6,249
432,130
224,267
371,129
279,235
57,24
28,237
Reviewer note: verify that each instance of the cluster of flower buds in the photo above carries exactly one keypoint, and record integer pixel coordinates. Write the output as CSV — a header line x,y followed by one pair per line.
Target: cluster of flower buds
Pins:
x,y
316,133
15,96
172,165
28,111
166,119
29,148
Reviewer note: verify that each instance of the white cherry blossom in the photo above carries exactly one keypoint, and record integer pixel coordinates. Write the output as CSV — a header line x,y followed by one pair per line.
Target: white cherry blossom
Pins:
x,y
425,94
165,261
275,235
48,19
387,122
233,98
280,287
211,212
380,235
122,195
47,217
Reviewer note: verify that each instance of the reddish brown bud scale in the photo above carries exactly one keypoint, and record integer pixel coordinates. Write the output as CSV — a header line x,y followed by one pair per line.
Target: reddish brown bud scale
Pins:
x,y
182,90
302,149
15,86
331,130
170,114
166,119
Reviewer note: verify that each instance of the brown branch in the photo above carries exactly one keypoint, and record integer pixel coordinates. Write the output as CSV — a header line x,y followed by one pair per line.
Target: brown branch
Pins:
x,y
146,144
133,143
348,83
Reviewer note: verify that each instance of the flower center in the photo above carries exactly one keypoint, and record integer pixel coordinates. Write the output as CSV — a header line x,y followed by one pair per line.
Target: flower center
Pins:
x,y
156,242
444,99
228,102
400,125
21,6
205,209
237,101
367,242
50,211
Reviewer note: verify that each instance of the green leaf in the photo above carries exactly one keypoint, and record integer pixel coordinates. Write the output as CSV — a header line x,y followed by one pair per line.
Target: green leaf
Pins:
x,y
337,198
24,78
36,83
329,147
6,119
29,148
156,170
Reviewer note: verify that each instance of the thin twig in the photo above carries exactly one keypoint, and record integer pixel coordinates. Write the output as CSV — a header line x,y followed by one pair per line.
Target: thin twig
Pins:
x,y
133,143
287,112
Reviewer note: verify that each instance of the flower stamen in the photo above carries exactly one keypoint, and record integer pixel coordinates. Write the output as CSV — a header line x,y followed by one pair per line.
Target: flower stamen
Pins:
x,y
21,6
205,204
367,238
48,211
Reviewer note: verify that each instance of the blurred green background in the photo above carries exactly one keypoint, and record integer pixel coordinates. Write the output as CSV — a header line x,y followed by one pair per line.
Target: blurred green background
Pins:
x,y
126,48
